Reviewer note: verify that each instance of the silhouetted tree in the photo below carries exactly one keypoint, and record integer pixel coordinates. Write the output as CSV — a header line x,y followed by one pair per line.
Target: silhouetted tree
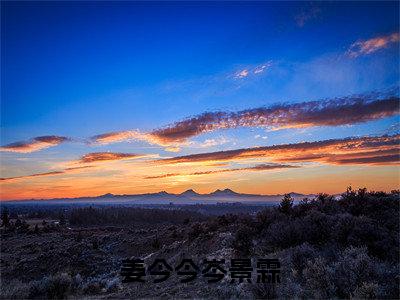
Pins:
x,y
63,220
18,223
156,243
286,204
95,244
5,217
79,237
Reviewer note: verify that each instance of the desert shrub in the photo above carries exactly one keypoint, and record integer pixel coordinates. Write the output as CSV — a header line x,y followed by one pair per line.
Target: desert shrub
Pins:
x,y
343,227
229,291
245,220
282,234
213,225
130,215
289,288
315,228
326,204
5,217
77,283
328,247
352,273
93,286
243,241
52,287
156,244
113,285
14,290
264,291
267,217
357,272
230,218
368,290
353,268
61,286
223,220
97,285
299,256
366,232
197,229
318,277
95,244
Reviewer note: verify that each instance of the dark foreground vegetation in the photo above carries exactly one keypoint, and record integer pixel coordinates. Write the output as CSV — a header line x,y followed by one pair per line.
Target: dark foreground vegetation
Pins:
x,y
328,248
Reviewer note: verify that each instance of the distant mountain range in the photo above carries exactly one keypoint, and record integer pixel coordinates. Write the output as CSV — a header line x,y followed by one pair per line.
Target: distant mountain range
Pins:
x,y
187,197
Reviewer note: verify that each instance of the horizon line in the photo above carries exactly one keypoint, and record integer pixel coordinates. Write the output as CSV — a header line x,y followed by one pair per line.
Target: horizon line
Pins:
x,y
182,194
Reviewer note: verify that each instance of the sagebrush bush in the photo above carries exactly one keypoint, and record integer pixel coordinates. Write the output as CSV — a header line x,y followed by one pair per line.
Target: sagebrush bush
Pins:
x,y
52,287
59,286
14,290
243,241
332,248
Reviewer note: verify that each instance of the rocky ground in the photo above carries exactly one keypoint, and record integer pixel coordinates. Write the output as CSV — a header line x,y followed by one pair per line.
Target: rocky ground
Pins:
x,y
89,259
328,248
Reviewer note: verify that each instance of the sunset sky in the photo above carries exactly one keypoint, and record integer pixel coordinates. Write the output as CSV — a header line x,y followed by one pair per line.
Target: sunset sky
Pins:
x,y
140,97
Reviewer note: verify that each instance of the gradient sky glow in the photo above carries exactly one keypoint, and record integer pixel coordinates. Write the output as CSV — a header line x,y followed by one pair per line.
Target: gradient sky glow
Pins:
x,y
101,97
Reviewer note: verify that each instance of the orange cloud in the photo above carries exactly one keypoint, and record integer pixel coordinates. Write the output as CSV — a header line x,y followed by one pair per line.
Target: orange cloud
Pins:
x,y
107,156
130,135
365,47
89,158
36,144
67,170
118,136
372,160
336,151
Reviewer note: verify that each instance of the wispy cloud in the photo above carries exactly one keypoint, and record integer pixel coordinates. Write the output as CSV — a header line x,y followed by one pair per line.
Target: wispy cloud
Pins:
x,y
371,160
36,144
260,167
89,160
331,112
212,142
118,136
241,74
253,70
336,151
258,136
52,173
365,47
307,14
262,68
334,112
108,156
135,135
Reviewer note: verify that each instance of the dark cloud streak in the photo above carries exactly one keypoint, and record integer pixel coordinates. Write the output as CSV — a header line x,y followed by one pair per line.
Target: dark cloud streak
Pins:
x,y
35,144
67,170
334,112
331,112
107,156
324,151
260,167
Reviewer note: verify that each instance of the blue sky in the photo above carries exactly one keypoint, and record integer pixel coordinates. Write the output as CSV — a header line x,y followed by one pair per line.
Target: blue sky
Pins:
x,y
81,69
